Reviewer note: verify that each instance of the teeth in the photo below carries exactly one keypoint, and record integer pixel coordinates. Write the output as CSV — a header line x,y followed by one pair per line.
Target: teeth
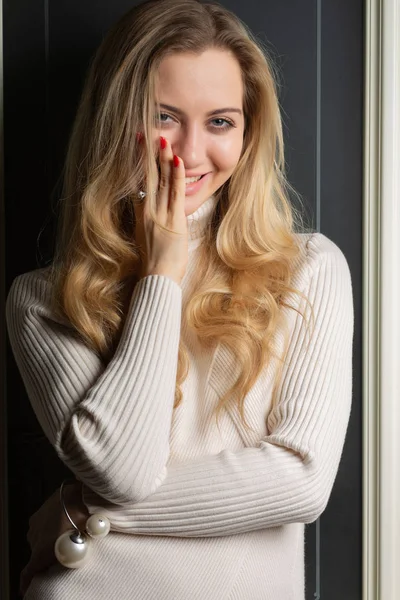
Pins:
x,y
192,179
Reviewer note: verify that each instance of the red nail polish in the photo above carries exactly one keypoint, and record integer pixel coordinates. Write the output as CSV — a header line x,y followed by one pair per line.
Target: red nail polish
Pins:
x,y
176,161
163,143
139,137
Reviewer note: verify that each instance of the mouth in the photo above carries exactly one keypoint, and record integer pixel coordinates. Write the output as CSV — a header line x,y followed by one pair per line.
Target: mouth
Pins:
x,y
194,184
194,178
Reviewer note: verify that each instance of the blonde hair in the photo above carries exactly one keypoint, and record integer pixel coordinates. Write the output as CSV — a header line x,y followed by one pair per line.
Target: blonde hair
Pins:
x,y
248,258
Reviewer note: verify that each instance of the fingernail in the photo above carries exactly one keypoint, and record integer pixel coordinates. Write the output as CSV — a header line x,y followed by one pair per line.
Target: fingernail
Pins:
x,y
139,137
163,143
176,161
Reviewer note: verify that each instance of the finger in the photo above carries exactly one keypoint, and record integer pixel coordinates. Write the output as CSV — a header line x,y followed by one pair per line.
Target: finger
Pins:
x,y
177,202
25,580
33,537
42,559
141,204
141,150
29,537
164,192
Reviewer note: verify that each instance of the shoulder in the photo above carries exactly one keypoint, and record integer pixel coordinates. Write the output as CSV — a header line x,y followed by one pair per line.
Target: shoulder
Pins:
x,y
324,276
30,284
318,252
30,293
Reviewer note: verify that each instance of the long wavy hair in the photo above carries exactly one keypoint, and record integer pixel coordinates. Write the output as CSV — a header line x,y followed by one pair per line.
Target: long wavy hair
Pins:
x,y
251,248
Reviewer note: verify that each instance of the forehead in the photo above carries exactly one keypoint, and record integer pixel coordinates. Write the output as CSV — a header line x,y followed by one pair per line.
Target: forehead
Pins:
x,y
214,76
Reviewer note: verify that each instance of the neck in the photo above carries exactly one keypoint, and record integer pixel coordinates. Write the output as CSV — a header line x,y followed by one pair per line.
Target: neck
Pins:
x,y
198,221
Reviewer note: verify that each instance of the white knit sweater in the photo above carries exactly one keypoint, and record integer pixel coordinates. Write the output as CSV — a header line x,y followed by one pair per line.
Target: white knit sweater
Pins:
x,y
197,513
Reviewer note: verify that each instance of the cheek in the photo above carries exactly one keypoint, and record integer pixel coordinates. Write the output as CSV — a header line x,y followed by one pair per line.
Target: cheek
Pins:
x,y
226,153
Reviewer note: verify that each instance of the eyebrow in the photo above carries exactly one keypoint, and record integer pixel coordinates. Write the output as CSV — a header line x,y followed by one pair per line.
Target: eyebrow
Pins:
x,y
218,111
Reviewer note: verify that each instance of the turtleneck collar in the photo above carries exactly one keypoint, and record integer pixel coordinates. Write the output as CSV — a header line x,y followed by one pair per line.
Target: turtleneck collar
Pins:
x,y
198,221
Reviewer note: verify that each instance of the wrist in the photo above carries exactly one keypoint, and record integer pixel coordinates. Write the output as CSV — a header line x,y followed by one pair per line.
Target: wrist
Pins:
x,y
163,272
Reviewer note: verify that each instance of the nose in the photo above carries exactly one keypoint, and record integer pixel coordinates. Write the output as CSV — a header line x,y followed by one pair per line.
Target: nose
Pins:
x,y
191,145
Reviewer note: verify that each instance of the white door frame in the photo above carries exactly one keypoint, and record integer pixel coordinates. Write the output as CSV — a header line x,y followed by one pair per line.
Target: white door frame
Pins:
x,y
381,302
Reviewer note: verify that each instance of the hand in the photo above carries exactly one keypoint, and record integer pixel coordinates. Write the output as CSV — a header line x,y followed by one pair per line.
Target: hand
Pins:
x,y
165,253
46,524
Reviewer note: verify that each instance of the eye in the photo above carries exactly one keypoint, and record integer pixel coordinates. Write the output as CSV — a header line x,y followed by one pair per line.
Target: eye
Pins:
x,y
160,115
222,124
226,124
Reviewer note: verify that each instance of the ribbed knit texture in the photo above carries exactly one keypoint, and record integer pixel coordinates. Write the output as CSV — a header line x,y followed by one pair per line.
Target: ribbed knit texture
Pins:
x,y
196,512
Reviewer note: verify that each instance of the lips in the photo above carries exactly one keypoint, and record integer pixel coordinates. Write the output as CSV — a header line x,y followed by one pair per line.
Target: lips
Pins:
x,y
193,188
195,175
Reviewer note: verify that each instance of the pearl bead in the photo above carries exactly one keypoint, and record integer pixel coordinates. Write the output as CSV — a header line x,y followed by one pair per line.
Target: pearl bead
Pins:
x,y
73,550
98,526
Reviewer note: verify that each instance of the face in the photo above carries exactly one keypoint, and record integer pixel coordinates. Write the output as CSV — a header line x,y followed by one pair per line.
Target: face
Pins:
x,y
201,100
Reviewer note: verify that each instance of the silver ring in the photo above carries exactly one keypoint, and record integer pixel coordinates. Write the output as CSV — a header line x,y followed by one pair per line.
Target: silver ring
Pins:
x,y
142,194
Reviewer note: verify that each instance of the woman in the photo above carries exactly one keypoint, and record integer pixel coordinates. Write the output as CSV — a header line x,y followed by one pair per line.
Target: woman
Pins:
x,y
189,351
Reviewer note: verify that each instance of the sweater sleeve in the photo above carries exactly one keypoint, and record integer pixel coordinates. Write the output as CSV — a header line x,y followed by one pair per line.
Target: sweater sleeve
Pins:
x,y
289,477
102,420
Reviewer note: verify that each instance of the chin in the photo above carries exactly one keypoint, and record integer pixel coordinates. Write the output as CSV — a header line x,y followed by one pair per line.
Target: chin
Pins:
x,y
192,204
189,210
